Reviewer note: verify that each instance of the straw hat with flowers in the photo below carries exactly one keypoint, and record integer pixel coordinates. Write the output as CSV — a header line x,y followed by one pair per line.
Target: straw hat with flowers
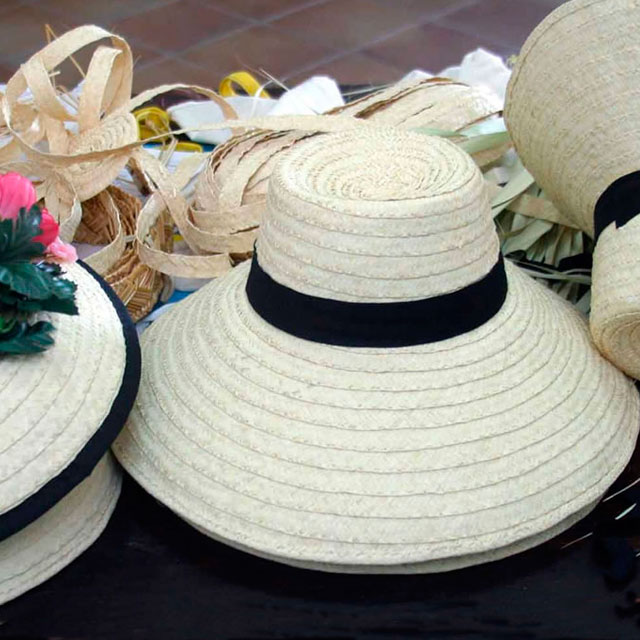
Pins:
x,y
69,372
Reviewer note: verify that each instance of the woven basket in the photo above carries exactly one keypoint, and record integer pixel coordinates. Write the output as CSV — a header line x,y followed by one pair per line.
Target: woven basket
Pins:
x,y
136,284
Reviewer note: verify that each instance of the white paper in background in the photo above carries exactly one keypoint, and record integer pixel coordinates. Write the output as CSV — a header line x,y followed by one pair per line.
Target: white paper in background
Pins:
x,y
479,68
318,94
188,115
315,95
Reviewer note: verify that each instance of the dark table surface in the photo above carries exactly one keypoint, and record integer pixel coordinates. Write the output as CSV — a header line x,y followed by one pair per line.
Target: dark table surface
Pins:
x,y
150,575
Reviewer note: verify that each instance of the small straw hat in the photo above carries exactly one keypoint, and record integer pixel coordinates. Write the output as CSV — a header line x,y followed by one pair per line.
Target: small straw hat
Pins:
x,y
59,413
571,107
377,391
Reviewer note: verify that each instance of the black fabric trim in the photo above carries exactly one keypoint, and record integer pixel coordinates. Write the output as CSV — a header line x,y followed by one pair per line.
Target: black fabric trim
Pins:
x,y
365,324
81,467
619,203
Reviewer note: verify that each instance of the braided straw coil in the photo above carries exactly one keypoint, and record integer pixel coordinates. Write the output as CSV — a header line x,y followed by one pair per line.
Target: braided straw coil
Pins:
x,y
571,108
405,459
231,190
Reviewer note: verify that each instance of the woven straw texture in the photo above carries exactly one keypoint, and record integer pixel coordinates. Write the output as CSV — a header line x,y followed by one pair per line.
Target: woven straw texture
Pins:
x,y
52,403
231,190
58,537
405,459
570,110
135,283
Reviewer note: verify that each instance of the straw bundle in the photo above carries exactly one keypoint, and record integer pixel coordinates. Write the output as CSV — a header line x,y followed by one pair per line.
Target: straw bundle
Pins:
x,y
435,102
43,133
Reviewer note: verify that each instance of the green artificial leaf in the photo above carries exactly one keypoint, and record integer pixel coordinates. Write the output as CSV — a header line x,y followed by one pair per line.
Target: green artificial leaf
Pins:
x,y
11,301
30,306
26,338
60,305
51,268
440,133
27,279
16,236
7,323
484,141
61,292
9,298
63,289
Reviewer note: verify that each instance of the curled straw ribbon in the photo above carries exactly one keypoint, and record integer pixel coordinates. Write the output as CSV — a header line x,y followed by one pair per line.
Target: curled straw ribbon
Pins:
x,y
78,153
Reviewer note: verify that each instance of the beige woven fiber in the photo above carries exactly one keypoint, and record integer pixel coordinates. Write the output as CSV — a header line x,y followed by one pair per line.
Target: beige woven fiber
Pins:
x,y
137,285
413,459
45,133
231,190
572,113
58,537
51,403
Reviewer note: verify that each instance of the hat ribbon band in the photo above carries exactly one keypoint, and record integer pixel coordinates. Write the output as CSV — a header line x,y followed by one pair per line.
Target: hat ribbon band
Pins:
x,y
375,324
619,203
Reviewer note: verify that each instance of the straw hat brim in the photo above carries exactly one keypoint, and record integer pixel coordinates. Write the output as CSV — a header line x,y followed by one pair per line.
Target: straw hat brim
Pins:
x,y
430,566
54,540
352,459
60,410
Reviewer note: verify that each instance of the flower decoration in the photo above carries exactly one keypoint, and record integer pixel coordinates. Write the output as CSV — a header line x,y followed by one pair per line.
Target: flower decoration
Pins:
x,y
31,275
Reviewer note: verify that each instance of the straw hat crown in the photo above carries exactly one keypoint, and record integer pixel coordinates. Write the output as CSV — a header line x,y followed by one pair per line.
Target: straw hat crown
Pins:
x,y
392,218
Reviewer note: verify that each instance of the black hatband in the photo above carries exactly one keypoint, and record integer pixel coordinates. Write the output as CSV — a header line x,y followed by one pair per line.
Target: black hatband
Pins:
x,y
619,203
375,324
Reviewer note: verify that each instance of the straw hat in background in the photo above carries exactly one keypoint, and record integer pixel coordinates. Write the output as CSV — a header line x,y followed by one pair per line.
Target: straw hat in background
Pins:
x,y
572,111
377,391
59,412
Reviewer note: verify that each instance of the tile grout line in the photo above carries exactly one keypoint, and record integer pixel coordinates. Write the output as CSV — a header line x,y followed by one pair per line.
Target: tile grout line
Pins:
x,y
449,24
178,54
250,23
462,4
269,18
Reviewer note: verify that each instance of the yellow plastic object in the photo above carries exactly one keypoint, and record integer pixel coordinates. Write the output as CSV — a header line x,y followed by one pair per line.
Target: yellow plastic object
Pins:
x,y
189,146
152,121
245,81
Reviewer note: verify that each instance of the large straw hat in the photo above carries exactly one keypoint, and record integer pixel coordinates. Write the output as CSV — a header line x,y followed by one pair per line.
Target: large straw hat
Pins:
x,y
376,391
572,112
59,412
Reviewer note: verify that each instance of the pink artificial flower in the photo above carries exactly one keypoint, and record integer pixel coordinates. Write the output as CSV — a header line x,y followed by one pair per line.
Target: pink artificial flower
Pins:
x,y
16,192
59,251
49,229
